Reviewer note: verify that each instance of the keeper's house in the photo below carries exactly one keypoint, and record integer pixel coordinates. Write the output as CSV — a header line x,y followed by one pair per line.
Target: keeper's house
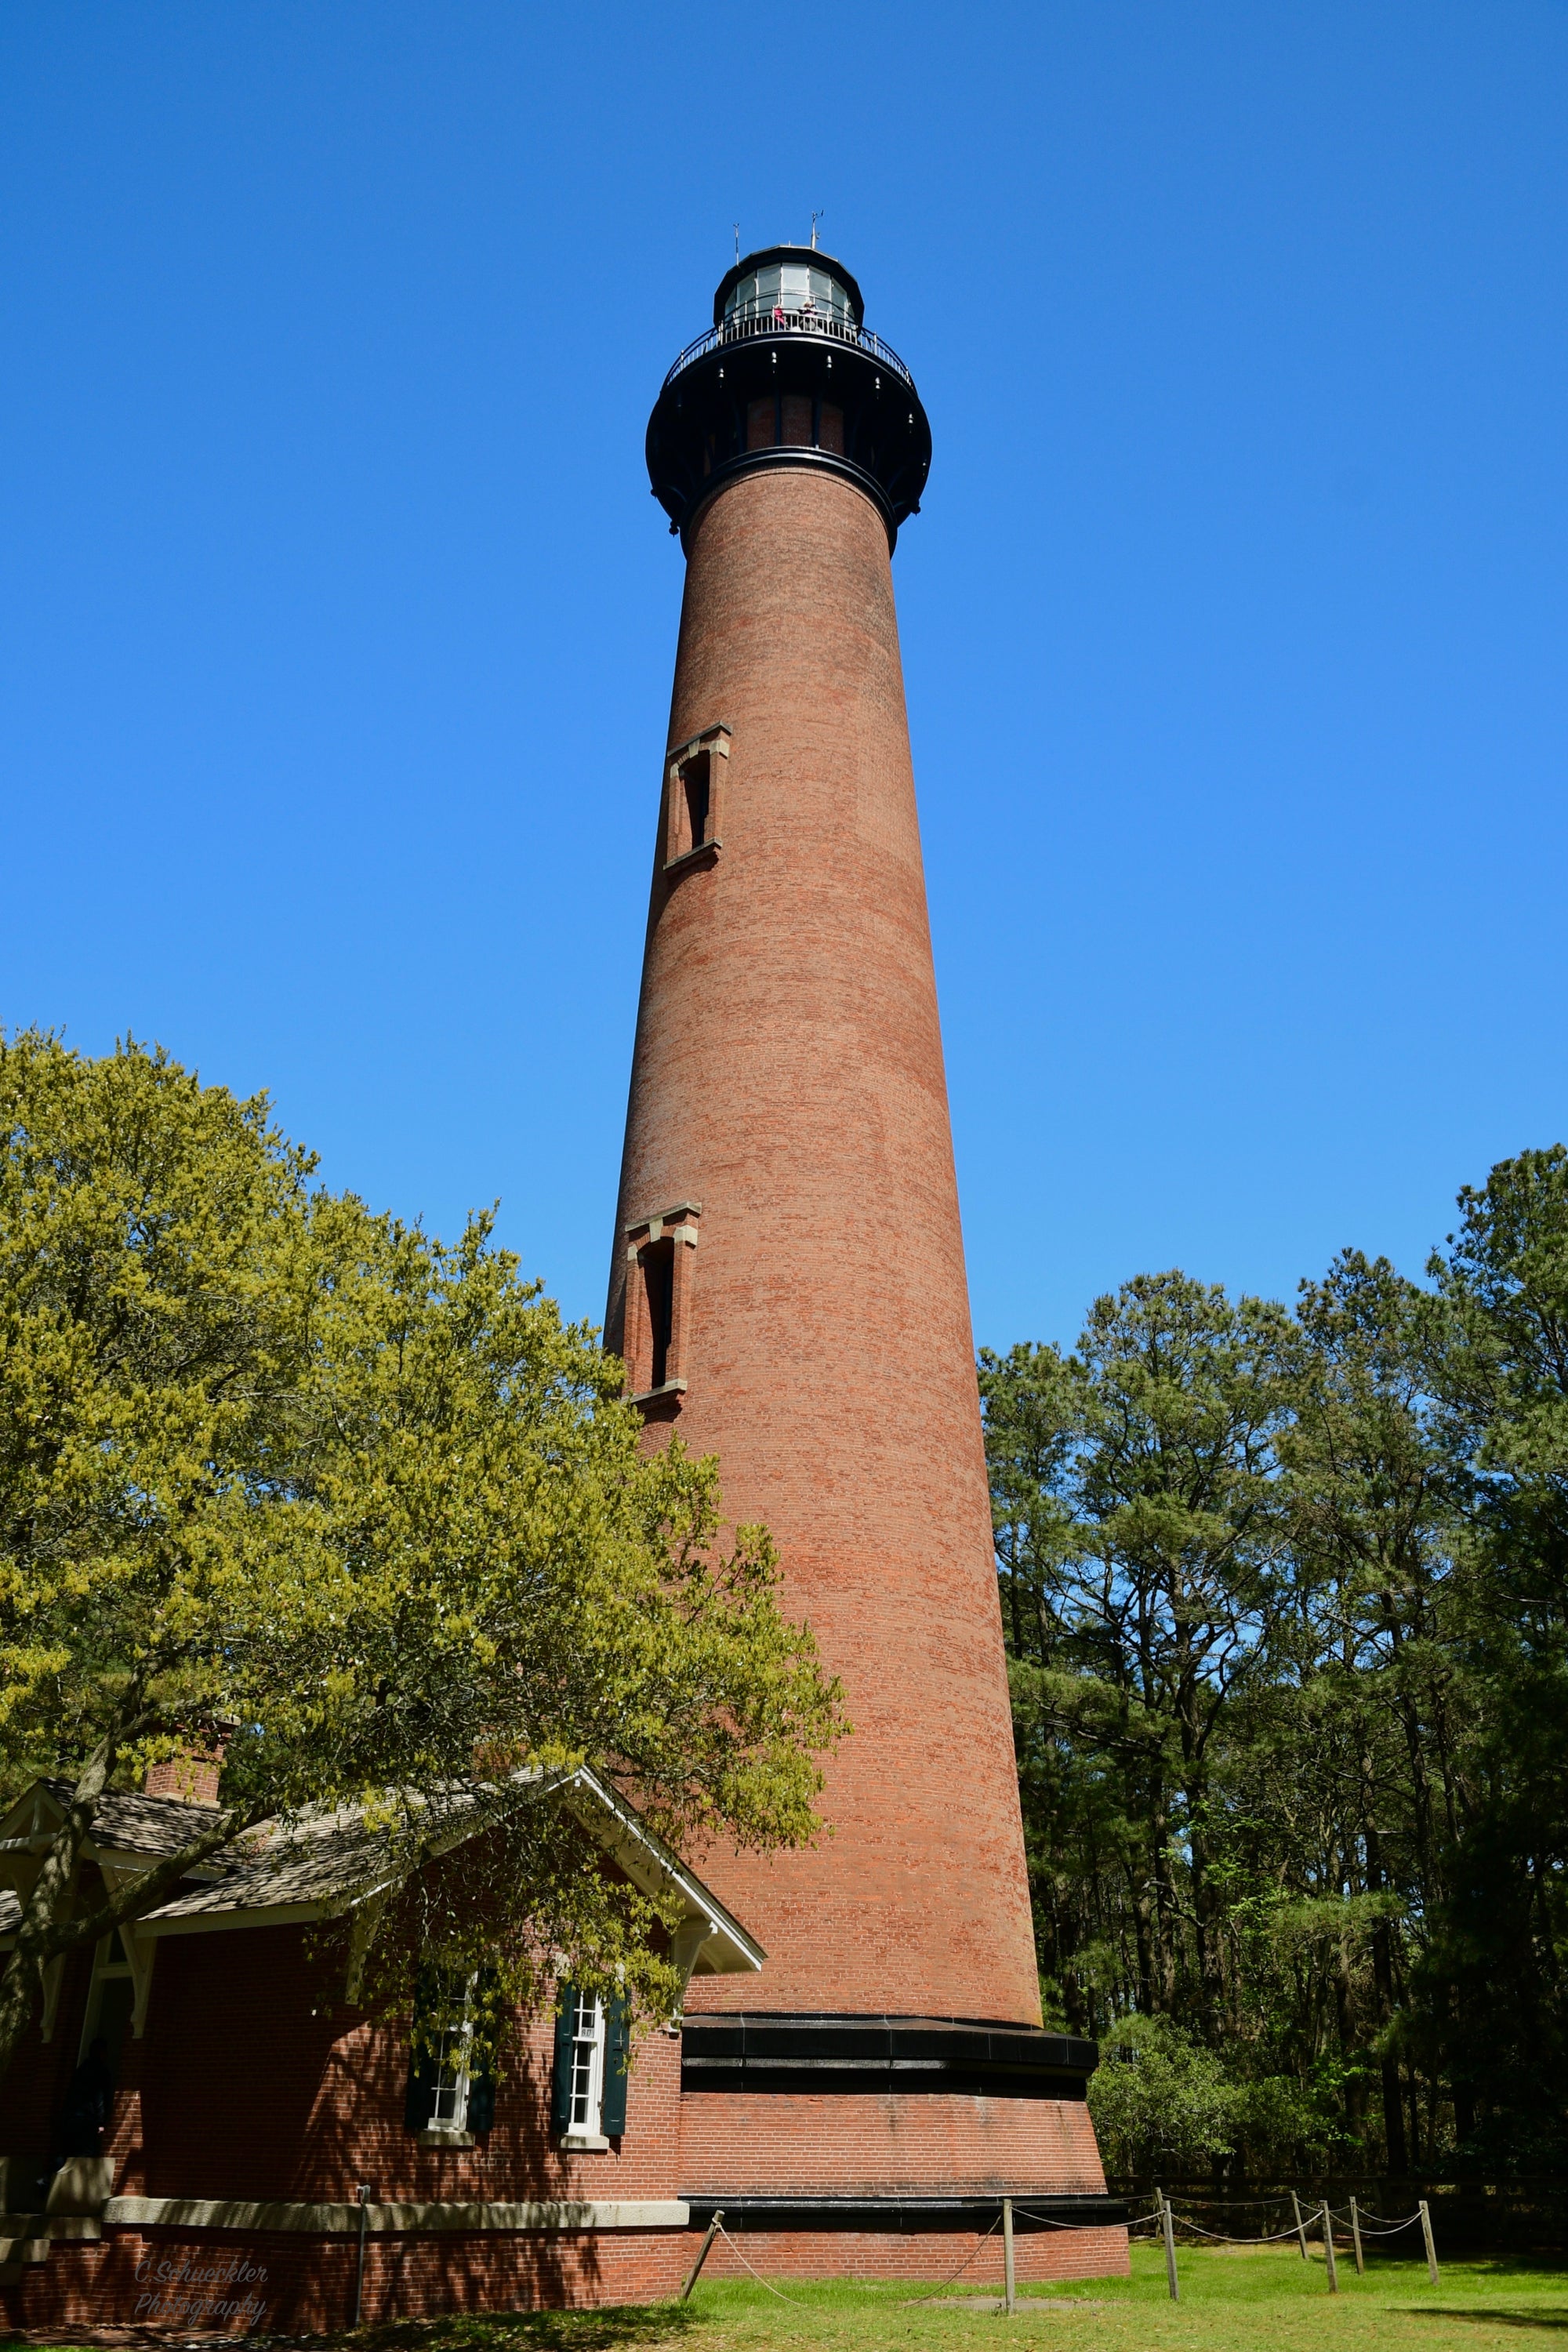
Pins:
x,y
268,2157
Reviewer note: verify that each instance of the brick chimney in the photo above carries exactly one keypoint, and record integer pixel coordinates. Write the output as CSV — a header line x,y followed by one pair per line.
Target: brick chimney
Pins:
x,y
191,1775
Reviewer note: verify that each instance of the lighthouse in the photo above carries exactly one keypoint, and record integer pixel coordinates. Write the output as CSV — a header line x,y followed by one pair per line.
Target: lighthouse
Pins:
x,y
787,1291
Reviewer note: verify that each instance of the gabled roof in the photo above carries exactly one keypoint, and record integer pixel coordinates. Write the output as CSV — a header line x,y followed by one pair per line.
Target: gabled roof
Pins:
x,y
127,1831
149,1827
326,1863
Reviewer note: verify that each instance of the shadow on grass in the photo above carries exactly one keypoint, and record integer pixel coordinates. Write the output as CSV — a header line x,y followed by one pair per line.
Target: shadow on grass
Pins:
x,y
607,2330
1492,2318
618,2328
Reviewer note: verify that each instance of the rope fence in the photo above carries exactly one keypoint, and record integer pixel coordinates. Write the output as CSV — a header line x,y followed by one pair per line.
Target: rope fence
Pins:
x,y
1323,2218
1164,2221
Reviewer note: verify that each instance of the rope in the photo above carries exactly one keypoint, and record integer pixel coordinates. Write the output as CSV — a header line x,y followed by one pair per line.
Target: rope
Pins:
x,y
962,2266
1371,2225
1271,2237
758,2276
1368,2222
1371,2228
799,2305
1024,2214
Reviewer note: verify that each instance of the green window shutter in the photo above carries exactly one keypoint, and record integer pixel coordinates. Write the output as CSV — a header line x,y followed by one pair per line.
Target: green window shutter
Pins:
x,y
561,2081
617,2051
419,2099
482,2074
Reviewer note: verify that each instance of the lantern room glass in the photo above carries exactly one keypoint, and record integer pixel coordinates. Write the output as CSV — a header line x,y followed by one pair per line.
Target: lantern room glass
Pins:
x,y
796,287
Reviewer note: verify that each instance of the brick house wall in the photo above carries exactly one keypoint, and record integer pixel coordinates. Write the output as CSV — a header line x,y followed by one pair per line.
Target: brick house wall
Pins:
x,y
254,2081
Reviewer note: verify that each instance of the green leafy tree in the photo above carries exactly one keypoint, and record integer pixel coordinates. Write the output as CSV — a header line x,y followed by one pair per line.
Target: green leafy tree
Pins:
x,y
1379,1497
1161,2103
1496,1984
1143,1551
277,1472
1286,1600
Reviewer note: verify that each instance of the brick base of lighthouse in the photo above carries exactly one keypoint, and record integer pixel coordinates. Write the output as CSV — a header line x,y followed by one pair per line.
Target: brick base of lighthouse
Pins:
x,y
882,2147
970,2258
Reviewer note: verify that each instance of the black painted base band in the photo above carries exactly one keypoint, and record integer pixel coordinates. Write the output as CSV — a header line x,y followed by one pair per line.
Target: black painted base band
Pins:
x,y
844,2055
905,2214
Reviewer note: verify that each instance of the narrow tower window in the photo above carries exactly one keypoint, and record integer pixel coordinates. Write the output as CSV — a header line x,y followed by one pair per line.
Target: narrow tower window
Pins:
x,y
694,798
657,1312
694,775
658,1278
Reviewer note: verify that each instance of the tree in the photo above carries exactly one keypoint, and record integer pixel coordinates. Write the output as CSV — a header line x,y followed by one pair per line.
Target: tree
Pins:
x,y
1178,1516
1287,1600
1142,1547
1378,1499
1497,1972
1161,2102
282,1474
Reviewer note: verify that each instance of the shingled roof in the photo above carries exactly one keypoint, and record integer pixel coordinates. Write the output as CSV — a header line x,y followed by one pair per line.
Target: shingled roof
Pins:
x,y
153,1826
323,1863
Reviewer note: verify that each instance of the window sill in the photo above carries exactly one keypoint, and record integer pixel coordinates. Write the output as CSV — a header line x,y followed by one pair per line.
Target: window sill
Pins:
x,y
447,2140
584,2143
709,849
652,1396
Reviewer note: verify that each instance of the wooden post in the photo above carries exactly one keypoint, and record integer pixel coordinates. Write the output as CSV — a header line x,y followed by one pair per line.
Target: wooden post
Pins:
x,y
1300,2224
1431,2249
359,2273
695,2272
1009,2276
1169,2220
1328,2248
1355,2238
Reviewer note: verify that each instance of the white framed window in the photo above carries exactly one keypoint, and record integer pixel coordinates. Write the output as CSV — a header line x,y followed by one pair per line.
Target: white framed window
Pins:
x,y
449,2097
588,2084
587,2070
451,2074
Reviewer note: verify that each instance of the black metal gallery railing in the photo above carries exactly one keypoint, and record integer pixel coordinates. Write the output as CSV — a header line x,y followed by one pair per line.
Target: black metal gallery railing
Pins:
x,y
822,324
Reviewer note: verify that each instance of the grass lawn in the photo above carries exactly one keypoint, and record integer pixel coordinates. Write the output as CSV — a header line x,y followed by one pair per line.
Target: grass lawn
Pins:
x,y
1264,2302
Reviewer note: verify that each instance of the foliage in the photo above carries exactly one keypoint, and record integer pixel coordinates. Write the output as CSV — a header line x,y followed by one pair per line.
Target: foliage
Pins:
x,y
1161,2103
278,1473
1286,1597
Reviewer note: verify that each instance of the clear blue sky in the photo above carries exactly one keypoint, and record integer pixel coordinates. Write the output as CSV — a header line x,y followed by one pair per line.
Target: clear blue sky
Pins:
x,y
338,619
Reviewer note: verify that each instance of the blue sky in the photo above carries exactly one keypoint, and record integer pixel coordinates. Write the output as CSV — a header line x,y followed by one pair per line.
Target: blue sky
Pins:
x,y
338,620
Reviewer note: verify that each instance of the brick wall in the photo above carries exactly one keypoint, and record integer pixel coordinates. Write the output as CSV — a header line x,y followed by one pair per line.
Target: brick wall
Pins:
x,y
181,2281
927,2256
788,1075
169,2280
256,2080
886,2145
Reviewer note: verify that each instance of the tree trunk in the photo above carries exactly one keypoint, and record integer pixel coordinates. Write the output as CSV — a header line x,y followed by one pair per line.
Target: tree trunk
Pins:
x,y
46,1929
1393,2120
51,1892
1383,1983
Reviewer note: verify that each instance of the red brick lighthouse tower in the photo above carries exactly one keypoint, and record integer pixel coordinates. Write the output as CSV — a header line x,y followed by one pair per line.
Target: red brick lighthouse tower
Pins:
x,y
788,1290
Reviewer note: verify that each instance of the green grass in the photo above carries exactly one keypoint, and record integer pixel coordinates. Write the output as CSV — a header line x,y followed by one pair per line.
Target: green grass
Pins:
x,y
1264,2302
